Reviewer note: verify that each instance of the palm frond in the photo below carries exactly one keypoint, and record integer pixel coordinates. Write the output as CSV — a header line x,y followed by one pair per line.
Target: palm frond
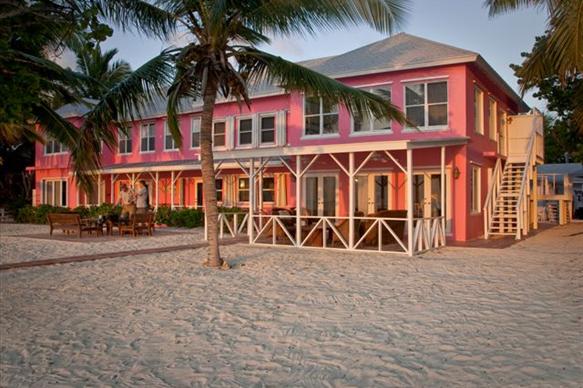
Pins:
x,y
497,7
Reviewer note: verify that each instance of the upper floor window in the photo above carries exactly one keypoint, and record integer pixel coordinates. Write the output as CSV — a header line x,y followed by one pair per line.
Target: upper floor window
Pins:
x,y
426,104
147,138
478,110
243,191
169,143
219,128
245,131
54,147
54,192
195,133
320,115
267,129
492,119
124,141
367,122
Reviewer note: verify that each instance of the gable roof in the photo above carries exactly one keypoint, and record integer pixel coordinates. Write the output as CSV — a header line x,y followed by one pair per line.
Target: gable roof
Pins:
x,y
398,52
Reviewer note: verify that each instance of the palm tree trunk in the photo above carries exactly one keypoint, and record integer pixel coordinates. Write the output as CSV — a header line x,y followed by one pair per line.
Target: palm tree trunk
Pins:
x,y
208,175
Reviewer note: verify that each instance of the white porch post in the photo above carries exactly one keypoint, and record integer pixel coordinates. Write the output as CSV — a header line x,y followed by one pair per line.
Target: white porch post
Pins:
x,y
112,188
98,189
410,201
443,188
298,201
172,190
251,198
157,180
351,200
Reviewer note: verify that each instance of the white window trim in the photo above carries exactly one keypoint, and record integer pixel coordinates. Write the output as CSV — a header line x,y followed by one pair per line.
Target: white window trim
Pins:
x,y
259,131
221,147
147,151
272,176
477,167
238,189
479,130
54,153
370,131
128,137
193,119
321,135
60,180
493,132
166,133
238,136
425,82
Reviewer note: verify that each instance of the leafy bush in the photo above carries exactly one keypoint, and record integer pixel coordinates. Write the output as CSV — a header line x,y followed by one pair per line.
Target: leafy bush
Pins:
x,y
37,215
187,218
163,215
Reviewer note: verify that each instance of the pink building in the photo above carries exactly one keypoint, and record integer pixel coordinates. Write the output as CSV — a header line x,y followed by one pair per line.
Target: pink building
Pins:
x,y
361,183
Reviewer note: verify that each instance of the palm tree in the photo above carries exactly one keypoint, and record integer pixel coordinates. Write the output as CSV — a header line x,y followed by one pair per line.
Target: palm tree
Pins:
x,y
560,52
223,58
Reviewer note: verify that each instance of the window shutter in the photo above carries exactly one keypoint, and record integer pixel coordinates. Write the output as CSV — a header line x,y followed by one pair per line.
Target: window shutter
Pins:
x,y
230,132
280,128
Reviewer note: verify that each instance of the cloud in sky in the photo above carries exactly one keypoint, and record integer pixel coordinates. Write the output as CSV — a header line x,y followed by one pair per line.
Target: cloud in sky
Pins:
x,y
287,47
64,58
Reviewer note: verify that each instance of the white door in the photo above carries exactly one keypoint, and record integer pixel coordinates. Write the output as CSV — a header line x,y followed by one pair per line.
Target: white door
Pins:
x,y
320,193
371,193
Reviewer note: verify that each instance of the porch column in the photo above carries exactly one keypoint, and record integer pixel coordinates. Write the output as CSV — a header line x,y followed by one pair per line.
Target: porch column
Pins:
x,y
112,187
98,189
157,180
251,198
172,190
260,186
298,201
410,201
443,188
351,200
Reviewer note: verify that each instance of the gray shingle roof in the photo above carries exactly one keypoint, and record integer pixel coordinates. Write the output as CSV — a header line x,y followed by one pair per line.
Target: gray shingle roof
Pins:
x,y
398,52
573,169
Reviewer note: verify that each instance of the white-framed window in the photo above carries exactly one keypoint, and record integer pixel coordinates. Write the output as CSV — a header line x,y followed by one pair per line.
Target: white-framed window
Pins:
x,y
169,143
320,116
243,189
124,141
219,189
53,147
492,118
475,187
195,132
368,123
148,138
219,133
268,189
245,128
267,129
426,104
478,110
54,192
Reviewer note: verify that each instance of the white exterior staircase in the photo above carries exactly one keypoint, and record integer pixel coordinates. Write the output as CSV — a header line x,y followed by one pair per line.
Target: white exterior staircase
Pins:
x,y
510,208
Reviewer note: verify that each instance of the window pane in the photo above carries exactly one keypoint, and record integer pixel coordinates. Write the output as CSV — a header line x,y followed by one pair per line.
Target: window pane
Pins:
x,y
312,105
244,183
267,196
437,92
152,144
329,106
144,145
331,124
169,142
268,136
416,115
414,94
243,196
219,189
438,114
195,133
219,128
219,139
245,138
268,189
245,125
381,125
358,123
313,125
268,122
64,193
383,91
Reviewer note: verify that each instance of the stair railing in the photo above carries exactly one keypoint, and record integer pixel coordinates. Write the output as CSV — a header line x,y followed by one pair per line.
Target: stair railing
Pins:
x,y
493,191
523,203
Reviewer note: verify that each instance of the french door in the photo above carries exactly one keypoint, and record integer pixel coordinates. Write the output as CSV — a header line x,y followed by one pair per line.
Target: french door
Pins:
x,y
371,193
320,194
426,194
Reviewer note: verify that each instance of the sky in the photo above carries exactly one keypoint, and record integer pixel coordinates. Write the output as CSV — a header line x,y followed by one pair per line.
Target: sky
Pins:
x,y
460,23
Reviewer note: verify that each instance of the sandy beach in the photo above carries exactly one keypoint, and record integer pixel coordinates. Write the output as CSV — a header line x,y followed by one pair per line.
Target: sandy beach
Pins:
x,y
281,317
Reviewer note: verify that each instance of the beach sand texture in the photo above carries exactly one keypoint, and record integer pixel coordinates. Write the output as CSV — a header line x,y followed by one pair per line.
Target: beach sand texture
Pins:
x,y
454,317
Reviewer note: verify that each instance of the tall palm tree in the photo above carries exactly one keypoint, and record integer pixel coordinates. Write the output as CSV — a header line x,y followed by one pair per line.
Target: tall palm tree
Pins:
x,y
560,52
223,58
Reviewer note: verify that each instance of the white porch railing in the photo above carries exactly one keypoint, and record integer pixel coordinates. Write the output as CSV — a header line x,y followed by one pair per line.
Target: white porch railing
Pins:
x,y
428,234
523,205
493,192
230,224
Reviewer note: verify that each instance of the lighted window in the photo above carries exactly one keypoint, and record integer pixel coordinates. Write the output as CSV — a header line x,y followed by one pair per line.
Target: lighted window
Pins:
x,y
243,189
426,104
320,115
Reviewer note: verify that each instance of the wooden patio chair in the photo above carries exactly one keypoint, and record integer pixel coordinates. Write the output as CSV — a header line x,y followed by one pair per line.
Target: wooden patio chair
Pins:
x,y
139,223
398,227
343,227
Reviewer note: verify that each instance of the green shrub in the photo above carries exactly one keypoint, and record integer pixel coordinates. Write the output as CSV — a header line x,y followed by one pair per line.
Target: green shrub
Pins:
x,y
163,215
37,215
187,218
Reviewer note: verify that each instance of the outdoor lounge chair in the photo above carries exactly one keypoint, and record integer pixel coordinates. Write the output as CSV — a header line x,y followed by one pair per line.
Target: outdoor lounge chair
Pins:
x,y
398,227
